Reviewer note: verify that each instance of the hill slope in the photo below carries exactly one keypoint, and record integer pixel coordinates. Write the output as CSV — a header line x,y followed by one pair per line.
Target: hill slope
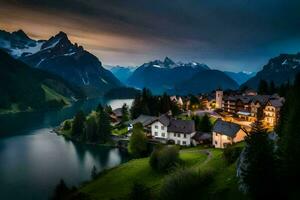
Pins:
x,y
280,69
24,88
117,183
60,57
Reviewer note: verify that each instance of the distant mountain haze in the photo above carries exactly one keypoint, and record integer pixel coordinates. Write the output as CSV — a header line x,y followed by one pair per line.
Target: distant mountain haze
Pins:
x,y
168,76
60,56
122,73
204,82
240,77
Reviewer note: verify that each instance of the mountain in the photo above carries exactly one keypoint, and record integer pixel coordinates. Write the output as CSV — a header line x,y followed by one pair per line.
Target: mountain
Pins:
x,y
61,57
280,69
18,43
122,73
160,76
240,77
205,81
25,88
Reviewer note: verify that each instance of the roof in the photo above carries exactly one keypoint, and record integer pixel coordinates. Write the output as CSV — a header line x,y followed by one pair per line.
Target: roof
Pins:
x,y
118,112
262,99
164,119
144,119
181,126
202,136
226,128
276,103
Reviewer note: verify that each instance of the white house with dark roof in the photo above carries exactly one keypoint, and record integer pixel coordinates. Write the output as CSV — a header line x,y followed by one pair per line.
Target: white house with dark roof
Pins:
x,y
166,129
226,133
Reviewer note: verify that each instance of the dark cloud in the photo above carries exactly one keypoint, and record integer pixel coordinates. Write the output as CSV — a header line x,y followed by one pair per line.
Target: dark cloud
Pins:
x,y
234,34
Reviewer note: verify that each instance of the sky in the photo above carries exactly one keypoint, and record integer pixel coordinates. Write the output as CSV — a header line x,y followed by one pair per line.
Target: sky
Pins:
x,y
235,35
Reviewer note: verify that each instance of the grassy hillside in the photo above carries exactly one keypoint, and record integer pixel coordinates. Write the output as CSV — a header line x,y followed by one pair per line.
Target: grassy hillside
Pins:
x,y
23,88
116,183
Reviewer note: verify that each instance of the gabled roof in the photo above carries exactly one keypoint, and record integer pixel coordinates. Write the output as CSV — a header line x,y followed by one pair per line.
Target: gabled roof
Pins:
x,y
164,119
226,128
118,112
276,103
144,119
262,99
181,126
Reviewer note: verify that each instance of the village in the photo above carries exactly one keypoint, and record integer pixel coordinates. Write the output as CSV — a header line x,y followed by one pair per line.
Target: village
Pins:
x,y
231,115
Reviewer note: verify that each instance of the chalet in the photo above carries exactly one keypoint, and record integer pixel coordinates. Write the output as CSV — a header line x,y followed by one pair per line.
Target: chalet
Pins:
x,y
145,120
271,112
117,113
226,133
165,129
251,107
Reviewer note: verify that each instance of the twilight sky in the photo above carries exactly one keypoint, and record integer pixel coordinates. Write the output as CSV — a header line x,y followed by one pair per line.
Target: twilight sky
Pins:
x,y
225,34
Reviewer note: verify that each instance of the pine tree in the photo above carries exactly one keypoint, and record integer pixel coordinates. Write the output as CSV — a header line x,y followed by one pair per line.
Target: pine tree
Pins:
x,y
289,128
104,127
91,130
272,88
125,114
94,172
61,191
78,124
259,164
205,124
263,87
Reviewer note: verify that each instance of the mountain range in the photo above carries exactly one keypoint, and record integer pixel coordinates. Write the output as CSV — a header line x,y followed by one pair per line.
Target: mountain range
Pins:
x,y
122,73
280,69
180,78
61,57
240,77
25,88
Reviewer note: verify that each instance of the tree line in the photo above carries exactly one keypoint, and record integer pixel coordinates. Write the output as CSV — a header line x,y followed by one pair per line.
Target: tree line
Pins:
x,y
148,104
269,166
92,128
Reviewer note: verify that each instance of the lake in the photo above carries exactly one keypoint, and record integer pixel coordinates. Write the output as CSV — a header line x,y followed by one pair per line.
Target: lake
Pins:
x,y
33,159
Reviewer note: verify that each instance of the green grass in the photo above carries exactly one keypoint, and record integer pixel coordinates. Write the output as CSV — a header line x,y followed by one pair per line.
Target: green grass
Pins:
x,y
122,131
52,95
117,182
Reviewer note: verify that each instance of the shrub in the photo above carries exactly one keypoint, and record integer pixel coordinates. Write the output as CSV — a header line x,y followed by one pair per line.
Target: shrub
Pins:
x,y
138,142
184,184
139,192
231,154
165,158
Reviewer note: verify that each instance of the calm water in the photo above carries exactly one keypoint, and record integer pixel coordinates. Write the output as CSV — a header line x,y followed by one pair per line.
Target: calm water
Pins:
x,y
33,159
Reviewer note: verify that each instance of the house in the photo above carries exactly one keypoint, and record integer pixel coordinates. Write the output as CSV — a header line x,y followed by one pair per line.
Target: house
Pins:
x,y
253,107
118,113
226,133
145,120
166,129
177,100
272,111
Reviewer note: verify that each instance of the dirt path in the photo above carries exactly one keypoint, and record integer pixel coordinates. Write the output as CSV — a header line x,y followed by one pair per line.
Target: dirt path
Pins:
x,y
203,151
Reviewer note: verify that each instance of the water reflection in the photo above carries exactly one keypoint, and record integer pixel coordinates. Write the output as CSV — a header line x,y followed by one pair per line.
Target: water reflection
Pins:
x,y
33,159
